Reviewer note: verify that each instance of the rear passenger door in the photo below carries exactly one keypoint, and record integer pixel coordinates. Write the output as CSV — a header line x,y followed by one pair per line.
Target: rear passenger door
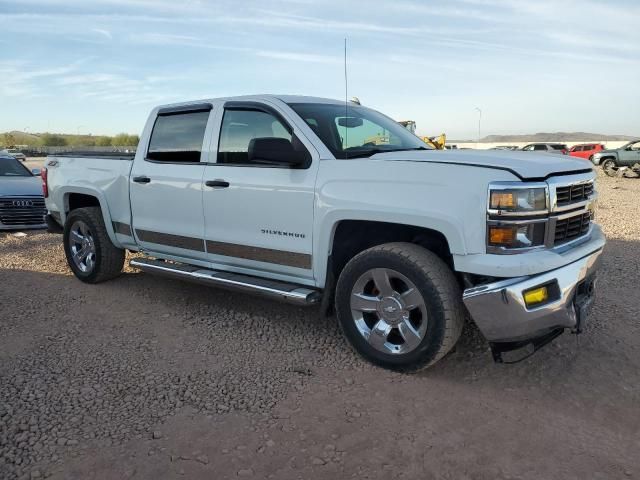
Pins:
x,y
166,184
259,217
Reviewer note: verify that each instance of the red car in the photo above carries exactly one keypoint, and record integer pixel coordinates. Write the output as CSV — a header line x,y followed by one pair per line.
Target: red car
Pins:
x,y
585,150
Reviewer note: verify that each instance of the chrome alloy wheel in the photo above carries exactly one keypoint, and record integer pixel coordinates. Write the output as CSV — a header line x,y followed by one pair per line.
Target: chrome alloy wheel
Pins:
x,y
389,311
82,246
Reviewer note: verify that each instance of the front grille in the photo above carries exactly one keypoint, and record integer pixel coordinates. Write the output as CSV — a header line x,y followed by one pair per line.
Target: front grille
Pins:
x,y
573,193
16,211
572,228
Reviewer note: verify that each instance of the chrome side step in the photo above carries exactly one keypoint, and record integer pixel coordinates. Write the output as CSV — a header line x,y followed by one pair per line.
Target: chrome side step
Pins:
x,y
288,292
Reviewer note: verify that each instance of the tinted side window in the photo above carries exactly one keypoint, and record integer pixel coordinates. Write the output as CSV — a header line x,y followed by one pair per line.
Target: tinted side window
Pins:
x,y
539,147
239,127
178,138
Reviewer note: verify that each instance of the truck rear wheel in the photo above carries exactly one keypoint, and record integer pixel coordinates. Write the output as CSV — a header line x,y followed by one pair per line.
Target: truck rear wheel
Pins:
x,y
399,306
89,251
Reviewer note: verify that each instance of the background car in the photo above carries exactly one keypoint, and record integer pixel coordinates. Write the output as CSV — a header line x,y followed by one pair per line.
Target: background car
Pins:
x,y
546,147
505,147
585,150
15,153
627,155
21,199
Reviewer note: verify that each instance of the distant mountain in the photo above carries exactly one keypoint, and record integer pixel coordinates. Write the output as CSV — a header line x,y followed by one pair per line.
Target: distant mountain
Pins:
x,y
555,137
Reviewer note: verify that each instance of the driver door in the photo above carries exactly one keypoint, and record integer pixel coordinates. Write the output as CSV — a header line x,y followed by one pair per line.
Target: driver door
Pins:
x,y
258,217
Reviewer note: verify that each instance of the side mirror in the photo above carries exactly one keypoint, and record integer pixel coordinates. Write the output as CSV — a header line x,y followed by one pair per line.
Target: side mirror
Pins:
x,y
275,151
36,171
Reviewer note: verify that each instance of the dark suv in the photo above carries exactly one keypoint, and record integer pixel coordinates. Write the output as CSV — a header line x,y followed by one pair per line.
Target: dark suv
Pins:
x,y
546,147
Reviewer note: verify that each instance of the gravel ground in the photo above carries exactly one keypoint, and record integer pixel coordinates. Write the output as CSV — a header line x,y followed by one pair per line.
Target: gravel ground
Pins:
x,y
144,377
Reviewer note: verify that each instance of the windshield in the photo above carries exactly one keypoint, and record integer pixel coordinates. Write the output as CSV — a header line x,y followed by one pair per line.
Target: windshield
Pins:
x,y
361,132
10,167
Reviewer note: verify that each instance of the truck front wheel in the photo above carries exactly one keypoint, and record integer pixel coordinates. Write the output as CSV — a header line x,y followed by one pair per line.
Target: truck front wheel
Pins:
x,y
89,251
610,167
399,306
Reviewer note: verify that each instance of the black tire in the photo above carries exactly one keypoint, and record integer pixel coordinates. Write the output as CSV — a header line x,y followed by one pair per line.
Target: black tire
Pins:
x,y
109,259
610,167
440,292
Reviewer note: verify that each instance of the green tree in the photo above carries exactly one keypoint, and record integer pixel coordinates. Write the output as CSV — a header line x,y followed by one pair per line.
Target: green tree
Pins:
x,y
8,140
52,140
125,140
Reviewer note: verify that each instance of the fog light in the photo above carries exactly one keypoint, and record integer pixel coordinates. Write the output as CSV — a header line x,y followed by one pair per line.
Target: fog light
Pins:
x,y
536,296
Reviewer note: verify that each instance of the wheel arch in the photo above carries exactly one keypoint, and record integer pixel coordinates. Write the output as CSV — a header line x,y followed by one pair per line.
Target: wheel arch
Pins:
x,y
79,197
609,157
350,236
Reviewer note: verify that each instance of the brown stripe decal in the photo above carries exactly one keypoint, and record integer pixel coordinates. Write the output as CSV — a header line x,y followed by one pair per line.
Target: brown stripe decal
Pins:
x,y
178,241
122,228
280,257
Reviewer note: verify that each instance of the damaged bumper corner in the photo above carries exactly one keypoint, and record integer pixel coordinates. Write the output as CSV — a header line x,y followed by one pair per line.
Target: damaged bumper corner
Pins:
x,y
500,312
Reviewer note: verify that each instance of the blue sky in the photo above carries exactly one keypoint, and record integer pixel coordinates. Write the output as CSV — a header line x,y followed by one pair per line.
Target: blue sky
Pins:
x,y
98,66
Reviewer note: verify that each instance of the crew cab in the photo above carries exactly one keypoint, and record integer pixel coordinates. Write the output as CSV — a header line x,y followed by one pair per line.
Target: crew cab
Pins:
x,y
284,196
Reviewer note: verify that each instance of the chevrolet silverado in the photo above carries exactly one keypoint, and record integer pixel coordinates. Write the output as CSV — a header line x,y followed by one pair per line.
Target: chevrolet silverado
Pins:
x,y
316,201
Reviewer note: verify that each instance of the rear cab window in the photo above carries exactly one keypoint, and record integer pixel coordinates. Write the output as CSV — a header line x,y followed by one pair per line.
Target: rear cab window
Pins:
x,y
177,137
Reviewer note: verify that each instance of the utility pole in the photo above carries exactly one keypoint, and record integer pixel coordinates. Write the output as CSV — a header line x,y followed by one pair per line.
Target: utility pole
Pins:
x,y
479,124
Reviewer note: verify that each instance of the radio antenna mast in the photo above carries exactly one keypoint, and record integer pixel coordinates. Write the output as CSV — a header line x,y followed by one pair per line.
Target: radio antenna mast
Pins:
x,y
346,100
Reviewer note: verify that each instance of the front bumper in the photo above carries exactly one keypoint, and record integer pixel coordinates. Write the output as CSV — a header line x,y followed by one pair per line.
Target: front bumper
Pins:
x,y
500,312
26,226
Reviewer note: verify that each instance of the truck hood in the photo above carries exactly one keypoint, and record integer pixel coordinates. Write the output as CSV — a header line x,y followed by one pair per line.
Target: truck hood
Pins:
x,y
17,186
525,165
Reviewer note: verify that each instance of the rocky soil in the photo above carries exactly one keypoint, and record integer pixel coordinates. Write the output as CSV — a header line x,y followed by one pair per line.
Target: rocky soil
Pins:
x,y
145,377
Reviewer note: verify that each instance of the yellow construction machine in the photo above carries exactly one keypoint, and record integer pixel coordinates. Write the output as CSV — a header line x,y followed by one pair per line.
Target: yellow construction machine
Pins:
x,y
436,142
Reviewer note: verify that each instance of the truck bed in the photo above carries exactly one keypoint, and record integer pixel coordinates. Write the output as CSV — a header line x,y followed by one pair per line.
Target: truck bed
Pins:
x,y
103,175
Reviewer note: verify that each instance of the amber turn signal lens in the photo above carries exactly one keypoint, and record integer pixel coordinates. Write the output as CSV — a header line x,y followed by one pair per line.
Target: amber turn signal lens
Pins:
x,y
500,200
501,235
536,296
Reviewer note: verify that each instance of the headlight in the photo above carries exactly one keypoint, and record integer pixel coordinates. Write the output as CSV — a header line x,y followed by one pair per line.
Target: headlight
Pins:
x,y
518,200
516,235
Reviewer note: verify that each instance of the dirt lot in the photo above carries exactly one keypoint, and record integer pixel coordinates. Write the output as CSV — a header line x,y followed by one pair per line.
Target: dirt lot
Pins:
x,y
145,377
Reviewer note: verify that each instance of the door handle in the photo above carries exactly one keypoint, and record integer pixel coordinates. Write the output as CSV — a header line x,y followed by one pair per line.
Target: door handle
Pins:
x,y
141,179
217,183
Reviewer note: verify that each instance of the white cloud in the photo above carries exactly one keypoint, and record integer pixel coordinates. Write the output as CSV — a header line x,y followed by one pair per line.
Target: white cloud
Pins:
x,y
298,57
103,32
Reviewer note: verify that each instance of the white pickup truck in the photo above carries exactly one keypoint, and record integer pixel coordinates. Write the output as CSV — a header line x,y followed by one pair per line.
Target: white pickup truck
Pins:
x,y
315,201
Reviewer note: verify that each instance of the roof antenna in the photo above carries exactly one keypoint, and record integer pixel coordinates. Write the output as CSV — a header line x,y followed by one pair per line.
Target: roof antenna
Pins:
x,y
346,101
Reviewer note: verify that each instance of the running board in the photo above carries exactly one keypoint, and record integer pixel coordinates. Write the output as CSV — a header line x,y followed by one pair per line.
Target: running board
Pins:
x,y
288,292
